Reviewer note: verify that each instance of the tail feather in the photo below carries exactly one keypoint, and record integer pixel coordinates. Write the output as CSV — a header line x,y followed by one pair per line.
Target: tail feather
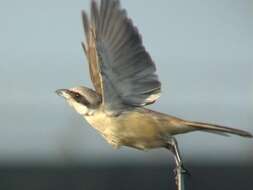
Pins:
x,y
217,129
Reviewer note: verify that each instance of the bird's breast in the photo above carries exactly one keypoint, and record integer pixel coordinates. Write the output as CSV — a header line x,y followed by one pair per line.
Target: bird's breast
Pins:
x,y
106,126
133,129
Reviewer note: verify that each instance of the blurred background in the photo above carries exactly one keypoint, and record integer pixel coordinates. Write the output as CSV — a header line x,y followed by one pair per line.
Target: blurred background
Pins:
x,y
203,53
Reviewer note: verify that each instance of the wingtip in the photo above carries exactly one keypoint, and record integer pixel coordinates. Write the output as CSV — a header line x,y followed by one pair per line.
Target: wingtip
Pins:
x,y
93,3
84,17
94,9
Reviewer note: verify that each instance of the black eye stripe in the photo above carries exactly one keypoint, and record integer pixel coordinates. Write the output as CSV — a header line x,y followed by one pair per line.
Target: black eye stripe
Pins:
x,y
77,95
79,98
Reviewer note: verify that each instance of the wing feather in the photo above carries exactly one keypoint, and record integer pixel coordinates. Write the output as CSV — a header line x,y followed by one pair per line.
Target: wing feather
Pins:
x,y
124,68
91,52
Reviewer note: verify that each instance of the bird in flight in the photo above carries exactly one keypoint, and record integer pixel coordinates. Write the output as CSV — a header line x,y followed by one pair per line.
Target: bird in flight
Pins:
x,y
125,81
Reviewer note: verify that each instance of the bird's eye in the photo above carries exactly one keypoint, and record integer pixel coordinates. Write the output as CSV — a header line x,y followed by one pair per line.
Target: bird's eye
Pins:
x,y
77,95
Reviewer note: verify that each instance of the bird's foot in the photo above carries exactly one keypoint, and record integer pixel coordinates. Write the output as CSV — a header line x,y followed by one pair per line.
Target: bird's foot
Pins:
x,y
181,169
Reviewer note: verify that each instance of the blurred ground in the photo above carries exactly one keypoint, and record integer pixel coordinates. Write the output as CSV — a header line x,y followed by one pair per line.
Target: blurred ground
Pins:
x,y
124,177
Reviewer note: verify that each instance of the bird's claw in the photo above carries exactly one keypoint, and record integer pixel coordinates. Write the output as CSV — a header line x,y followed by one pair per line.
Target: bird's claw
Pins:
x,y
182,170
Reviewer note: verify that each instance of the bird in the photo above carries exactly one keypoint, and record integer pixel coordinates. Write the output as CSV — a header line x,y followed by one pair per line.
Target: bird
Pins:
x,y
125,83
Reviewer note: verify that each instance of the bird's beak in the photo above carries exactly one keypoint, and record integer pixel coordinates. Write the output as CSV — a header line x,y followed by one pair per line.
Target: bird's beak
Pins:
x,y
63,92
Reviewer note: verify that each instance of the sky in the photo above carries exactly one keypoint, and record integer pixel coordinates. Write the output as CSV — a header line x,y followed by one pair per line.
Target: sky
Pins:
x,y
203,54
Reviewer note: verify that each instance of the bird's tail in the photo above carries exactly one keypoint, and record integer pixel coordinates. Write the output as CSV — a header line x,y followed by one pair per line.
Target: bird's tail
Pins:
x,y
217,129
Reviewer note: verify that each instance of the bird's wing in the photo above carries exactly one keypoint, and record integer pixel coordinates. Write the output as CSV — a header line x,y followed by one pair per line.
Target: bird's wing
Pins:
x,y
91,53
124,67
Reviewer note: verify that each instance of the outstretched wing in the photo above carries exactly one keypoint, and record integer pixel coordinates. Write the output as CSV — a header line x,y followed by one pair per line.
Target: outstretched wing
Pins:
x,y
91,53
126,70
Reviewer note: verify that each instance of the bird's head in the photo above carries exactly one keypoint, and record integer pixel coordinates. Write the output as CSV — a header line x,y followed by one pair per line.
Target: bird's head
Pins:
x,y
84,100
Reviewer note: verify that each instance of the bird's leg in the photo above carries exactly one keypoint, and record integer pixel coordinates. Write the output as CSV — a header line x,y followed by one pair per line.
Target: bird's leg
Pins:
x,y
173,147
180,171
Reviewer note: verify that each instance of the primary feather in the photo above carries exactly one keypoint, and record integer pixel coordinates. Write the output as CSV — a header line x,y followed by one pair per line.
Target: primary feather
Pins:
x,y
119,59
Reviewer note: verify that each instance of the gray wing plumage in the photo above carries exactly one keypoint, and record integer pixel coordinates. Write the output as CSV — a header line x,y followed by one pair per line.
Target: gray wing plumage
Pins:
x,y
127,70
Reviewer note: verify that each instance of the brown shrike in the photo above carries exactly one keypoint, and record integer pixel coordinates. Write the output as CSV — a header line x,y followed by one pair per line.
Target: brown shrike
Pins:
x,y
125,81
